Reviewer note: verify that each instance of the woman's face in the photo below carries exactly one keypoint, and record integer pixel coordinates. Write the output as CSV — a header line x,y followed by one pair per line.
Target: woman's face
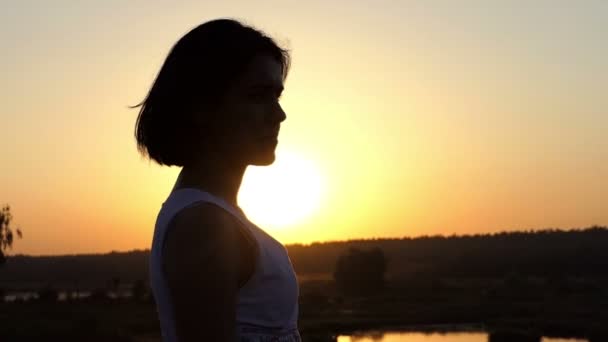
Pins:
x,y
250,115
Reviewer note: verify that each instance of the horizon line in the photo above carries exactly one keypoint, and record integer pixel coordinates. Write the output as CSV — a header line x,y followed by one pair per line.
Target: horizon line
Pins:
x,y
435,236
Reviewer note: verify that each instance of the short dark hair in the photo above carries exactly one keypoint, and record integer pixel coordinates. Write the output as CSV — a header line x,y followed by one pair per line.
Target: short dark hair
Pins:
x,y
196,74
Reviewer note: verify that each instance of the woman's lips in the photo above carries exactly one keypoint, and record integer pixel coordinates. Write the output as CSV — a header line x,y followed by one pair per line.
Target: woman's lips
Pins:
x,y
270,138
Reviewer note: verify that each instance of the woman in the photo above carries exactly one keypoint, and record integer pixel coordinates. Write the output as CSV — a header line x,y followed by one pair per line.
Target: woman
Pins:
x,y
213,110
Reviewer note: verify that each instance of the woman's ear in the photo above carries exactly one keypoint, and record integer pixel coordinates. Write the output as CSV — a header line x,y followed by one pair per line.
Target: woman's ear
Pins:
x,y
206,121
202,117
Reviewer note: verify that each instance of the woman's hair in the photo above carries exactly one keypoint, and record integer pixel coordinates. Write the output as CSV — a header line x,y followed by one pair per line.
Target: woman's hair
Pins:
x,y
194,78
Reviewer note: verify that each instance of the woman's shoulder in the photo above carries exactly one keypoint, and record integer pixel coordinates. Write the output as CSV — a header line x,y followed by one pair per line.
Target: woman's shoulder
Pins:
x,y
200,234
202,220
205,234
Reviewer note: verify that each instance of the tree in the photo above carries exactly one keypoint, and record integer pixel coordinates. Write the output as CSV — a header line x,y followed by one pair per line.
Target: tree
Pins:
x,y
361,272
6,232
139,290
115,285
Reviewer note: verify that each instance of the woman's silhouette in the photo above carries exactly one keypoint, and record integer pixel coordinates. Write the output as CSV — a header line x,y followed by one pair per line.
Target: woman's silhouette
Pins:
x,y
213,110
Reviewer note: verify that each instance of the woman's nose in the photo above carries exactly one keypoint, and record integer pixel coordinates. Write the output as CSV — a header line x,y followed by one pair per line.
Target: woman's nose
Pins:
x,y
282,113
278,114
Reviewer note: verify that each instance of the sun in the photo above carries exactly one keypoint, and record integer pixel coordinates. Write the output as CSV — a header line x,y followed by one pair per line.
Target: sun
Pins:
x,y
282,194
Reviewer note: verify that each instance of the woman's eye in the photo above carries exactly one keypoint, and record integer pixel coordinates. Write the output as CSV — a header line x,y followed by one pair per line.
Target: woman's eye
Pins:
x,y
258,96
265,96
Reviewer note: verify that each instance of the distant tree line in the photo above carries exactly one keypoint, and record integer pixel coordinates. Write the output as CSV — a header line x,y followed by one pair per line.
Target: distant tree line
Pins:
x,y
85,271
580,252
552,252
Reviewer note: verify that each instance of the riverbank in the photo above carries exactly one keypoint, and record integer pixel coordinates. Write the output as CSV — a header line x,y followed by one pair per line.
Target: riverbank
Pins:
x,y
527,307
447,305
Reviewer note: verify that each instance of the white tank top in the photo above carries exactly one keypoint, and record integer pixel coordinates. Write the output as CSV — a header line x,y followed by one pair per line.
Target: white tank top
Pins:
x,y
268,302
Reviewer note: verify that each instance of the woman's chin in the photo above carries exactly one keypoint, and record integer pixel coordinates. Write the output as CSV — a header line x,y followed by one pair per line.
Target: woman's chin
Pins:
x,y
264,159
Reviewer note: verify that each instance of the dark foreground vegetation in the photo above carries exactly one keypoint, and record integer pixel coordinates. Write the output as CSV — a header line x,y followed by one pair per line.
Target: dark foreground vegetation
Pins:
x,y
517,286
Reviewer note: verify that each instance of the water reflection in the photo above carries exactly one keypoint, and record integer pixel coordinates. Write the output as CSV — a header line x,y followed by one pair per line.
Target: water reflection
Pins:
x,y
61,295
415,337
380,336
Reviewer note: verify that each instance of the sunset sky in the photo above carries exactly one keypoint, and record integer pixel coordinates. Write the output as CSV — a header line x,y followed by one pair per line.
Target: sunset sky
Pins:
x,y
404,118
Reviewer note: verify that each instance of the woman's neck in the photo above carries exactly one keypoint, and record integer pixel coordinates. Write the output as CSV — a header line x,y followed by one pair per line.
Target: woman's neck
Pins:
x,y
218,178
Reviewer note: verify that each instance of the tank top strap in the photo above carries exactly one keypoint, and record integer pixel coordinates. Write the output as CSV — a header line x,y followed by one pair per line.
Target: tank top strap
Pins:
x,y
187,197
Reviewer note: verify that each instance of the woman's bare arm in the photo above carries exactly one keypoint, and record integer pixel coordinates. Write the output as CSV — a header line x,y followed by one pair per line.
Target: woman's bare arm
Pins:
x,y
200,259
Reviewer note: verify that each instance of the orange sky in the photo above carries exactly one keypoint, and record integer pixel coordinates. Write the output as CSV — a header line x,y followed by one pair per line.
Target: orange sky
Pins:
x,y
407,117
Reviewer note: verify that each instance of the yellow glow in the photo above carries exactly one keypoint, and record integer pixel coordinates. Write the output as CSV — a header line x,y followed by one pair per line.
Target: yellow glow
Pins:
x,y
416,337
283,194
408,119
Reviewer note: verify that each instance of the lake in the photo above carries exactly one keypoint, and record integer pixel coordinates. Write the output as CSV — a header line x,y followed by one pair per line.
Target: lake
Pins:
x,y
379,336
61,295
